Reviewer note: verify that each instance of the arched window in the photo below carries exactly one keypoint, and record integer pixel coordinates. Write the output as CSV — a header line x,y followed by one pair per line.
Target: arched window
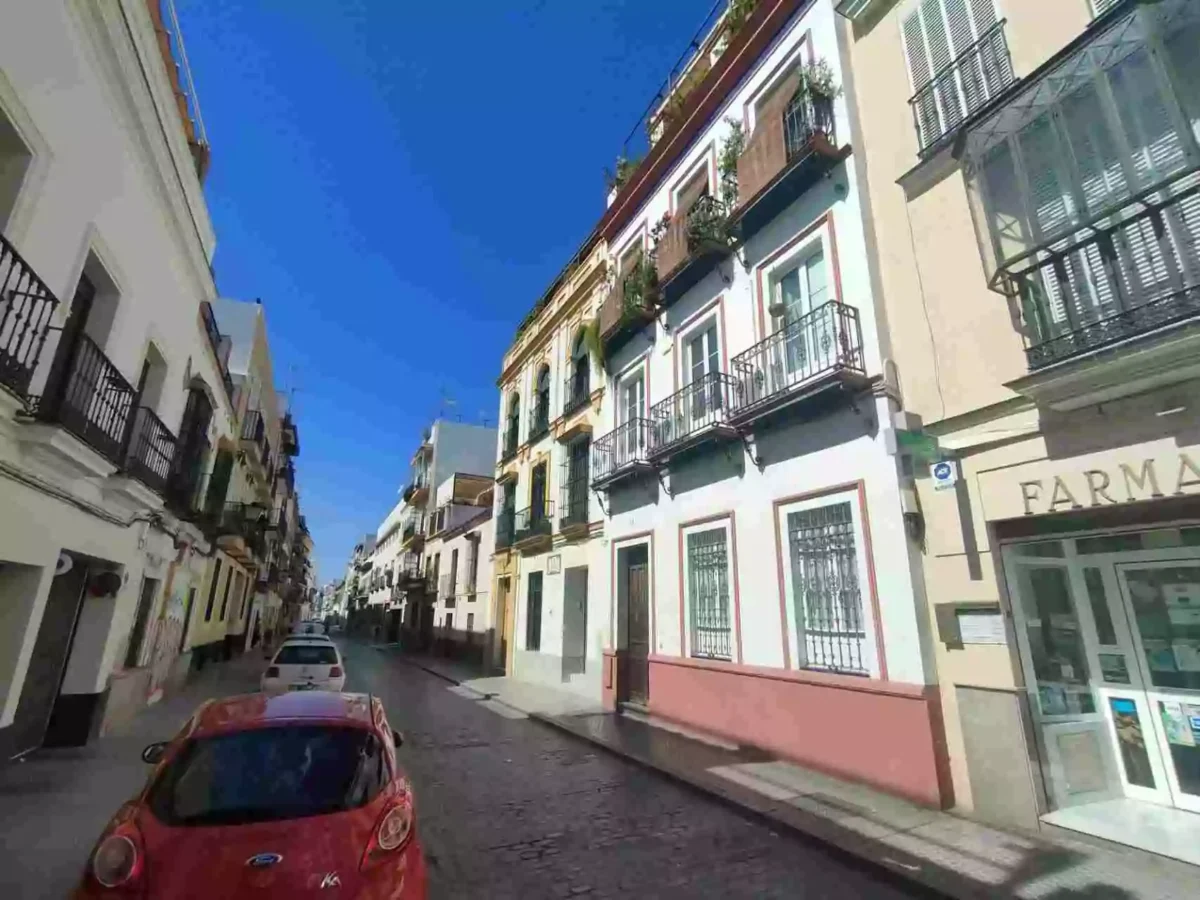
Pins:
x,y
578,385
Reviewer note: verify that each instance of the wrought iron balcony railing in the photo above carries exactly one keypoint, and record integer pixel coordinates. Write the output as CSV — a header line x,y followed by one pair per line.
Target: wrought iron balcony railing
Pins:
x,y
576,391
505,521
151,451
625,447
533,521
254,428
782,139
89,396
539,419
966,84
691,412
1083,293
26,307
798,356
701,232
214,340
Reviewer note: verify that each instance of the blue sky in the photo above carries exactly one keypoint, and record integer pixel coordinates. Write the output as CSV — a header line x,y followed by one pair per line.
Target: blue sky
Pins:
x,y
399,182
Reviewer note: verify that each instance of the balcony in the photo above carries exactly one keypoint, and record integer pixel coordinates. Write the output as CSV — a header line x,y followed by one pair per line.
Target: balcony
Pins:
x,y
787,153
691,247
1087,207
151,451
539,420
417,491
505,521
531,531
813,356
213,333
631,304
26,307
289,437
89,397
240,530
575,392
621,454
187,470
413,536
254,443
968,83
573,505
692,416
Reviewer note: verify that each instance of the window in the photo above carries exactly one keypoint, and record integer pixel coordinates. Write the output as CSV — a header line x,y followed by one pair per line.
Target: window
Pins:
x,y
824,581
270,774
709,632
306,654
537,493
578,389
1100,7
453,571
472,565
957,61
231,578
533,613
212,590
449,624
541,412
470,621
633,397
513,432
15,158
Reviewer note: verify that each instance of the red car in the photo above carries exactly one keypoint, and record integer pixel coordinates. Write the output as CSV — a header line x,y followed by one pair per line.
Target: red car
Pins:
x,y
293,795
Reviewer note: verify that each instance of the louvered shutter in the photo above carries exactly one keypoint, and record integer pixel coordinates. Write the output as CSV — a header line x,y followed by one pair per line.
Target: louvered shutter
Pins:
x,y
1157,148
1100,7
1102,178
928,121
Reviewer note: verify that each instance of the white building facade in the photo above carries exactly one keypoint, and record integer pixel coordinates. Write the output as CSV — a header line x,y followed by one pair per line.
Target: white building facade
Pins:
x,y
764,585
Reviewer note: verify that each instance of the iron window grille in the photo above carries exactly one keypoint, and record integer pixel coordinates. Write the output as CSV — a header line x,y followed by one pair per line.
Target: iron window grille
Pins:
x,y
533,615
708,594
625,445
573,498
827,605
576,388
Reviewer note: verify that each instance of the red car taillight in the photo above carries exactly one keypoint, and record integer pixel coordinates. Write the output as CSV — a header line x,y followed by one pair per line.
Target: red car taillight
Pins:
x,y
272,671
393,830
335,671
118,862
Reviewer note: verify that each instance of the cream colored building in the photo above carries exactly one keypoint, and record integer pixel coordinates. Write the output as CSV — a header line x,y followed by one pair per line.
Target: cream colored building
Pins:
x,y
549,573
1031,175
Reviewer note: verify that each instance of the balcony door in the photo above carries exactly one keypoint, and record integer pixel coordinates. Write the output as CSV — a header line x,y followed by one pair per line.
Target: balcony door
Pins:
x,y
799,292
703,360
537,494
632,407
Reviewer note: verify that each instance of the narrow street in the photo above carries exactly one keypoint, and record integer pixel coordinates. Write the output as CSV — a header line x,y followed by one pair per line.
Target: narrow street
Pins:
x,y
507,807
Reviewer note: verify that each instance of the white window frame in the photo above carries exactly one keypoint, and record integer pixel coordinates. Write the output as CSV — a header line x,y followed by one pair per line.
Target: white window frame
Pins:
x,y
869,651
685,639
795,257
693,330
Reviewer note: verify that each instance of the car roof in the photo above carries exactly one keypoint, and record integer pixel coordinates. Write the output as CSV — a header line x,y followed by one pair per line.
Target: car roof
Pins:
x,y
247,711
312,638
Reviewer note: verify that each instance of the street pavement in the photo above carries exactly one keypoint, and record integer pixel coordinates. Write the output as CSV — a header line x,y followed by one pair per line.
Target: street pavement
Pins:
x,y
506,807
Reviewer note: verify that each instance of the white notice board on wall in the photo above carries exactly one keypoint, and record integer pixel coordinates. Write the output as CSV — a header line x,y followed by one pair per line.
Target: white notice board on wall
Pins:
x,y
981,626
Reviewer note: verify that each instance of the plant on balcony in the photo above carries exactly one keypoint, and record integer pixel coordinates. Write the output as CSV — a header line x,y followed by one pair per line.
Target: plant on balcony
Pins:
x,y
737,13
617,177
727,161
706,223
640,292
659,228
818,80
591,340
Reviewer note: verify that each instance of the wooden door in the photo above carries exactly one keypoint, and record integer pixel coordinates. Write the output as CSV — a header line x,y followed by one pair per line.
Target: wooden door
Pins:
x,y
637,663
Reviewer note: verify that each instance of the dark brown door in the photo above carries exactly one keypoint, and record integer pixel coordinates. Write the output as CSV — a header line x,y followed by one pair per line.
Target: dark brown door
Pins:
x,y
637,664
574,658
49,660
133,652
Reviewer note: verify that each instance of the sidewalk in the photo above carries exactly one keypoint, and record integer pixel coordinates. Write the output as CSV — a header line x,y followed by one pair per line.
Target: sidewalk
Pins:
x,y
54,803
952,855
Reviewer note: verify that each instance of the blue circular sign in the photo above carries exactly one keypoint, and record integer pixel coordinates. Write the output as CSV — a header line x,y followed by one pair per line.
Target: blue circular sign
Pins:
x,y
941,471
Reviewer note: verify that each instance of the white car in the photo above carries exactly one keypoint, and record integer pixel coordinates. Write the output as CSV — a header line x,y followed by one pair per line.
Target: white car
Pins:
x,y
308,628
305,664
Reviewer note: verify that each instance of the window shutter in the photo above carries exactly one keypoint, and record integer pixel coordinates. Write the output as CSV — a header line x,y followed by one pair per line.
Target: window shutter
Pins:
x,y
1156,145
1100,7
919,70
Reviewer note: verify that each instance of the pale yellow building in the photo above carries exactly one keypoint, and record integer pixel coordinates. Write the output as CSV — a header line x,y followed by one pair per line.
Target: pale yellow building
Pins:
x,y
1032,170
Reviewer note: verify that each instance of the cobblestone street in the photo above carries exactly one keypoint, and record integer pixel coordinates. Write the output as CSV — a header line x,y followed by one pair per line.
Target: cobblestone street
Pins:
x,y
507,807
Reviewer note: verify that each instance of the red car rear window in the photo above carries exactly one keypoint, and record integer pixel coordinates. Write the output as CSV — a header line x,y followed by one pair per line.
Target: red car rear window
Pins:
x,y
267,774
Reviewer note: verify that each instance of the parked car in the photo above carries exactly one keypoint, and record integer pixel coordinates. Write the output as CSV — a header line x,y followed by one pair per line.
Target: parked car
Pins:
x,y
267,797
305,664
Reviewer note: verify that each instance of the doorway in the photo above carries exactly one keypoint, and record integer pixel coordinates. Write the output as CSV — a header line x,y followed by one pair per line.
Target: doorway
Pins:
x,y
133,652
503,622
633,567
1109,633
574,658
48,662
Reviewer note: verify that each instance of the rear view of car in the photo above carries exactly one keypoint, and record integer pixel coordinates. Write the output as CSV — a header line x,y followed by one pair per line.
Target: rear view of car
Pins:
x,y
292,796
305,665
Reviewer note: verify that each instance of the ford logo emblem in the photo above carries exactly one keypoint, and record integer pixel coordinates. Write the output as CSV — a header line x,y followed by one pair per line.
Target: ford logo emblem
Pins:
x,y
262,860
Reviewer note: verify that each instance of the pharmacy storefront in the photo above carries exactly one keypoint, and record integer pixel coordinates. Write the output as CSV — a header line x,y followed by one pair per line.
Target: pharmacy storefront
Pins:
x,y
1107,623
